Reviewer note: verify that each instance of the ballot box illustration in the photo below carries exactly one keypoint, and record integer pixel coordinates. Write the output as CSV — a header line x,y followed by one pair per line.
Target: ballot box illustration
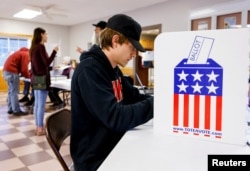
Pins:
x,y
200,85
198,95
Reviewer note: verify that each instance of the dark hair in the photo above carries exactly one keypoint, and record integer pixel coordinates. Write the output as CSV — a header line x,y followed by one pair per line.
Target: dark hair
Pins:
x,y
106,36
37,38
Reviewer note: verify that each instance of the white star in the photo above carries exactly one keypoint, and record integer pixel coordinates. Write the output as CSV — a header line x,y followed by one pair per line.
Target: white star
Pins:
x,y
182,87
212,76
212,88
182,76
197,76
197,88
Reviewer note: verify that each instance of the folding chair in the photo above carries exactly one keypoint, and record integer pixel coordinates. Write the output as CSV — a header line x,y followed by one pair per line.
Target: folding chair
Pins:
x,y
58,126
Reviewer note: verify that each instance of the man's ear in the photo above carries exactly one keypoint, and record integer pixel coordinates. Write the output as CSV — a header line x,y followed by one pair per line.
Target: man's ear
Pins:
x,y
115,40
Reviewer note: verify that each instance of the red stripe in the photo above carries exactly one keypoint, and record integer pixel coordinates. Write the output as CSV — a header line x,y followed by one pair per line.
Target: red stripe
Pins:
x,y
196,110
119,94
186,110
207,111
218,113
176,110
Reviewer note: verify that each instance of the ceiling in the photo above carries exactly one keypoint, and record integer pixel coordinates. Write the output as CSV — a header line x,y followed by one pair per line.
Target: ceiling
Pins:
x,y
71,12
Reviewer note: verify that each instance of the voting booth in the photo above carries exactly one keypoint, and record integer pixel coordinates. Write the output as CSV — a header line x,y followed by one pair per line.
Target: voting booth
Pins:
x,y
201,84
200,104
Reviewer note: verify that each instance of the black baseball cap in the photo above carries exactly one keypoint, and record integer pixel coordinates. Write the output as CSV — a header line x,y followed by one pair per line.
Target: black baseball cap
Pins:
x,y
128,27
101,24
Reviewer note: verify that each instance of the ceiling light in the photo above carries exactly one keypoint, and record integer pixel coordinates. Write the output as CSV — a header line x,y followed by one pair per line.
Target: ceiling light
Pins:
x,y
27,14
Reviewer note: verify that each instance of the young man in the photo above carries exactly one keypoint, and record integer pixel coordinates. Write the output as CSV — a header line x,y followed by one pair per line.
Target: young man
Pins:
x,y
104,104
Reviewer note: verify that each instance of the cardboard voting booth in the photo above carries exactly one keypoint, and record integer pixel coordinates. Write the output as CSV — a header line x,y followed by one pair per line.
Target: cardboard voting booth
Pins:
x,y
201,84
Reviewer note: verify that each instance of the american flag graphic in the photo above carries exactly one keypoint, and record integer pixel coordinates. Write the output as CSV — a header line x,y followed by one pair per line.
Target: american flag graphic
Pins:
x,y
197,107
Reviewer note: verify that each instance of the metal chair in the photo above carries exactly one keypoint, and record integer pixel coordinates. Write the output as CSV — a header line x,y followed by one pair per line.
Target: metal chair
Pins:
x,y
58,126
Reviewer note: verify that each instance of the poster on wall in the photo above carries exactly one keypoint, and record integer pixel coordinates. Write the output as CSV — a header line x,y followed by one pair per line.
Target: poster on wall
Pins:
x,y
229,22
203,25
201,90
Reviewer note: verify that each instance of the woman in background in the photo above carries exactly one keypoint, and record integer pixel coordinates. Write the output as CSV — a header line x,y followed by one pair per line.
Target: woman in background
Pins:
x,y
40,62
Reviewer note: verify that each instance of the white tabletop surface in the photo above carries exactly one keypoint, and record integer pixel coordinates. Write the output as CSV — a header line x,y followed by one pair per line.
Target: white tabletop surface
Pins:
x,y
62,84
142,149
58,77
52,78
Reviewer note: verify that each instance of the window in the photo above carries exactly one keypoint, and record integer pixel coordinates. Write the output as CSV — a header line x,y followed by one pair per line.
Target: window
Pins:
x,y
9,44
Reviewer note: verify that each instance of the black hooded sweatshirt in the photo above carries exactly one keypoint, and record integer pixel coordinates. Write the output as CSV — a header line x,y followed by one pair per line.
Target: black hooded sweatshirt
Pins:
x,y
104,106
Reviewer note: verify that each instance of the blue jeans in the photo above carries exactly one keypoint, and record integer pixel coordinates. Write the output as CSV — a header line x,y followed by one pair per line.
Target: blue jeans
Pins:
x,y
39,107
26,89
13,82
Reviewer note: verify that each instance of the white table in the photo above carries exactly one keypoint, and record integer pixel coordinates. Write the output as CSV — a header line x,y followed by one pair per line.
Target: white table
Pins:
x,y
142,149
64,84
58,77
52,78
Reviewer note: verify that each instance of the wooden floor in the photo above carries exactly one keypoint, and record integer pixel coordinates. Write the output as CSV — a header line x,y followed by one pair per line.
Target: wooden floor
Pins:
x,y
20,149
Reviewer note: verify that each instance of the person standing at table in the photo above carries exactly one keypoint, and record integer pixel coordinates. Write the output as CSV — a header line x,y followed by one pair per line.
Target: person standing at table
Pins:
x,y
16,63
104,105
40,63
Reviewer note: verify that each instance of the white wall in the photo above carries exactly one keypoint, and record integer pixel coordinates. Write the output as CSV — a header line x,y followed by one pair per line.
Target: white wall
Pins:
x,y
55,34
174,15
80,35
